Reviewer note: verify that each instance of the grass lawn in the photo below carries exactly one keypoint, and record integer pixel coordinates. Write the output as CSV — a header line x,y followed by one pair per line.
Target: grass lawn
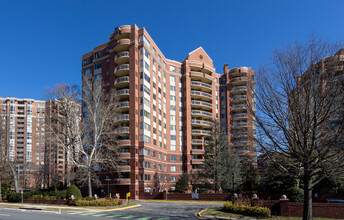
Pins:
x,y
217,212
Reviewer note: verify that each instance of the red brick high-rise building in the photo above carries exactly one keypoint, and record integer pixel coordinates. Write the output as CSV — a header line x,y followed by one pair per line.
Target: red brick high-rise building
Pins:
x,y
167,107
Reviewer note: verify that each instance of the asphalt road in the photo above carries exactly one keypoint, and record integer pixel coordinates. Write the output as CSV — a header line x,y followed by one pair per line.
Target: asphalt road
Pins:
x,y
147,211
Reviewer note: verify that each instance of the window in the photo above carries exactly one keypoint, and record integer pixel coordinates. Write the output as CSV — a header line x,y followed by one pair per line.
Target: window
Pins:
x,y
97,65
172,68
173,168
147,78
222,81
173,178
172,88
144,125
172,107
173,127
145,138
173,137
173,158
173,147
145,177
154,51
223,89
159,58
147,54
98,54
172,79
147,66
173,117
173,98
87,61
87,72
145,164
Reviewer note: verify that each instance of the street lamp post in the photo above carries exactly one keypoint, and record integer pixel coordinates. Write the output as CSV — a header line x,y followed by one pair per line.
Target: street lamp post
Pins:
x,y
108,188
233,199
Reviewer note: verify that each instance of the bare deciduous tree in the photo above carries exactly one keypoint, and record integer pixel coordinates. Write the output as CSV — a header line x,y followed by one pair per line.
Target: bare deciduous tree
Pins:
x,y
299,103
89,143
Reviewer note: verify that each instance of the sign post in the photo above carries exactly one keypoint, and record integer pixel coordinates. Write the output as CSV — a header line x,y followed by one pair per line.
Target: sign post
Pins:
x,y
128,195
22,197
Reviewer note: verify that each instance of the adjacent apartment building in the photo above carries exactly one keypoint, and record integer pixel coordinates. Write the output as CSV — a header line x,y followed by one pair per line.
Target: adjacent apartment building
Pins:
x,y
29,145
166,108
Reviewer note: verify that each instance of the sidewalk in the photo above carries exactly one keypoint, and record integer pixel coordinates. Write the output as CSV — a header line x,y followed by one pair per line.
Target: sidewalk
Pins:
x,y
63,207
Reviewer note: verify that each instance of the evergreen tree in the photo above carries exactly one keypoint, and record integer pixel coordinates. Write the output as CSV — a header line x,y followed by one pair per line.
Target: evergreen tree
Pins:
x,y
220,164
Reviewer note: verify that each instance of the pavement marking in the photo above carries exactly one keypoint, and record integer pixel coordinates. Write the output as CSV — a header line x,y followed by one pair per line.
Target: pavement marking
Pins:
x,y
113,216
100,215
130,216
145,218
74,213
88,214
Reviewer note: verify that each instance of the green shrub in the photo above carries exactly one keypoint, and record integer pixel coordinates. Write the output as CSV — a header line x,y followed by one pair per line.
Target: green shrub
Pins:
x,y
35,197
247,210
91,203
61,194
117,201
75,191
14,197
295,194
50,197
88,198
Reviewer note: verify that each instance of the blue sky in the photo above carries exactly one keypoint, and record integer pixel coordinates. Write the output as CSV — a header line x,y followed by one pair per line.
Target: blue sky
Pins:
x,y
42,41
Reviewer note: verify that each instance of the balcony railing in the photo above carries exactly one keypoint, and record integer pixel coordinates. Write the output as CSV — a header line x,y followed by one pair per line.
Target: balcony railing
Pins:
x,y
201,122
122,92
196,142
205,104
240,115
239,88
240,124
201,113
203,94
240,106
122,79
201,132
239,97
122,105
240,133
122,117
122,130
122,54
201,84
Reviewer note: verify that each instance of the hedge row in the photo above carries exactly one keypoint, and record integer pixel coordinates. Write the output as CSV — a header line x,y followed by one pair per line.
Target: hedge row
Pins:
x,y
86,202
247,210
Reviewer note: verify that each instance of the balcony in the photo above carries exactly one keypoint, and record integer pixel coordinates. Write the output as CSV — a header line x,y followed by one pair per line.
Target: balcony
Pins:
x,y
201,95
122,82
122,118
201,85
122,93
122,57
239,116
200,66
122,45
196,151
197,161
125,155
199,76
203,105
201,123
239,143
238,134
124,168
122,70
203,114
239,71
122,106
239,89
200,132
122,130
239,80
239,107
123,32
123,181
197,142
239,124
124,143
239,98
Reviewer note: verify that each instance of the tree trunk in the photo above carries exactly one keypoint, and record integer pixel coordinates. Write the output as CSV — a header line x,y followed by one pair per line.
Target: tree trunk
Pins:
x,y
0,190
89,183
307,198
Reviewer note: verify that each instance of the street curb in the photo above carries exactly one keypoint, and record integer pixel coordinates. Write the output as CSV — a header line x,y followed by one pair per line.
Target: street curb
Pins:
x,y
199,214
185,201
109,210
